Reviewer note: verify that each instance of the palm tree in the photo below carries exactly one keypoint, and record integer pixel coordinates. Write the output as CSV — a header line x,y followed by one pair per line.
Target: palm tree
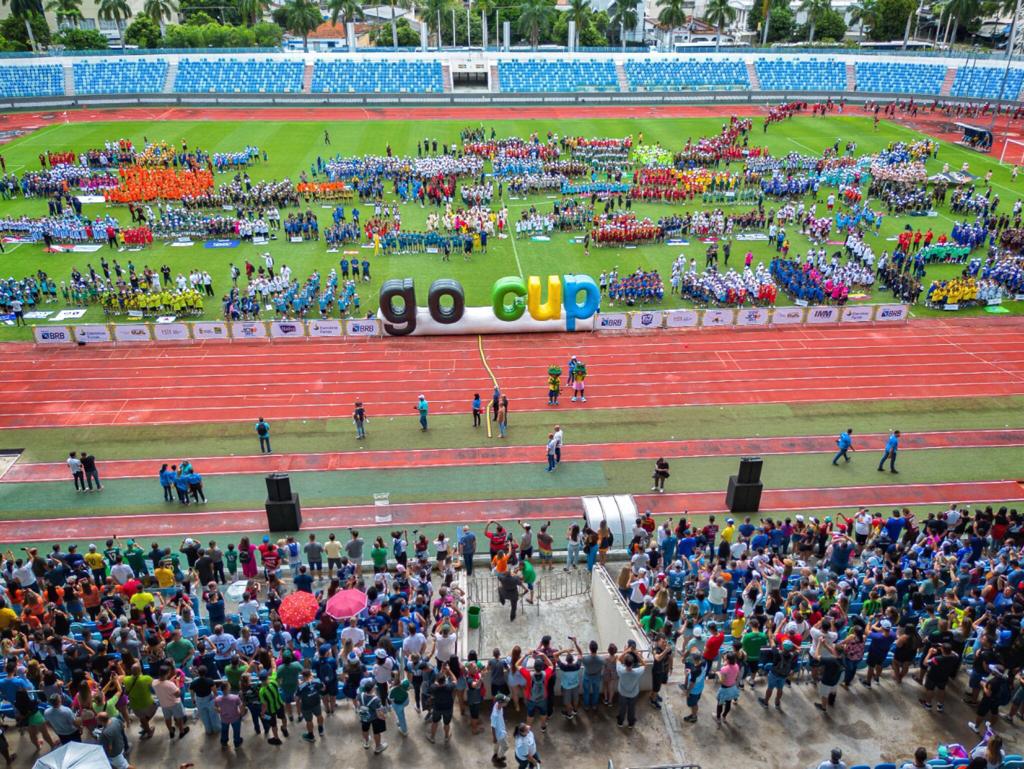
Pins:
x,y
673,15
116,11
719,13
863,12
433,10
535,18
959,11
25,10
485,7
66,10
252,11
346,10
160,10
623,16
814,9
302,17
579,12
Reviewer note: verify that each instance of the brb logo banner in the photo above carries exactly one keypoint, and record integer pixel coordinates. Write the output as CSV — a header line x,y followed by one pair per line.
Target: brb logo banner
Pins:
x,y
517,306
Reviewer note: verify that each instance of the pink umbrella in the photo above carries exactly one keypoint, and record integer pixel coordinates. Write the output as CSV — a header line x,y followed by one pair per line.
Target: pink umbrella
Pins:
x,y
346,603
298,609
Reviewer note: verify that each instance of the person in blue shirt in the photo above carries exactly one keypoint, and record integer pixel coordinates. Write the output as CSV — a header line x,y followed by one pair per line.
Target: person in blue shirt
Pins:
x,y
181,484
890,452
845,444
476,409
303,580
422,407
263,431
167,482
894,525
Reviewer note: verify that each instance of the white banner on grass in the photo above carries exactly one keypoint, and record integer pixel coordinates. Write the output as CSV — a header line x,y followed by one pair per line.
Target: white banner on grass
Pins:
x,y
92,332
752,316
612,321
53,335
857,313
822,314
248,329
171,332
210,329
718,317
132,332
648,319
366,327
887,313
787,316
331,327
287,329
681,318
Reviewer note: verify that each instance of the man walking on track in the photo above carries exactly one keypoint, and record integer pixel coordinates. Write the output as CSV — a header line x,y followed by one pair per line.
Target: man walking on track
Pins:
x,y
890,452
263,431
423,408
845,444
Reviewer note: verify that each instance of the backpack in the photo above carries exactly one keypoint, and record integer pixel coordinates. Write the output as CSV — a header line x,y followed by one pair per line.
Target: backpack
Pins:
x,y
244,556
538,687
365,712
783,664
261,429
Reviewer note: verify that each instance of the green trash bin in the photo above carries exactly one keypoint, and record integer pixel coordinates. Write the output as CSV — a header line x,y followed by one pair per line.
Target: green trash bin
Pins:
x,y
474,616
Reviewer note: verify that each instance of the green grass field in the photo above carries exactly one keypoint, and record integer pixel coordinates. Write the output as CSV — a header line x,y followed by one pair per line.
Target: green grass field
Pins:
x,y
292,147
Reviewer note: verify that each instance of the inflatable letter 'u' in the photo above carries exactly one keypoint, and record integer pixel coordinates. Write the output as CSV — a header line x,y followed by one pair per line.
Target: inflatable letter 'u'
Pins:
x,y
552,308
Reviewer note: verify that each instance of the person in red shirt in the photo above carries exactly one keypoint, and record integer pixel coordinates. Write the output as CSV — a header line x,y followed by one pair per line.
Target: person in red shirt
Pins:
x,y
712,646
538,688
270,557
498,538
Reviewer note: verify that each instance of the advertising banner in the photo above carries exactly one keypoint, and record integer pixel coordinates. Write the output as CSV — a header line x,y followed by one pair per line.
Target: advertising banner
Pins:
x,y
93,332
53,335
171,332
822,314
752,316
210,330
367,327
888,313
248,329
681,318
287,329
857,313
648,319
324,328
131,332
612,321
718,317
787,316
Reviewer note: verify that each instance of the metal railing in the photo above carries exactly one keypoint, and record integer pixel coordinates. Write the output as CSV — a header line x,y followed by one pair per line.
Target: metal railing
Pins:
x,y
554,585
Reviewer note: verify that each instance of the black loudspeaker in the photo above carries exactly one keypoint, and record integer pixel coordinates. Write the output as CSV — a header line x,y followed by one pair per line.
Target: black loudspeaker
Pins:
x,y
279,487
743,497
284,515
750,469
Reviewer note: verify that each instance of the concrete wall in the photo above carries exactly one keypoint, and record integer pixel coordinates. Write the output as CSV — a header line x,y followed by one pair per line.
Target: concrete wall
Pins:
x,y
615,622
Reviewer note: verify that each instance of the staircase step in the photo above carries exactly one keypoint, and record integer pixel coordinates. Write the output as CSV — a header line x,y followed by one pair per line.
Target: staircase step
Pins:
x,y
620,75
495,83
947,82
851,77
69,80
307,79
755,81
446,78
172,74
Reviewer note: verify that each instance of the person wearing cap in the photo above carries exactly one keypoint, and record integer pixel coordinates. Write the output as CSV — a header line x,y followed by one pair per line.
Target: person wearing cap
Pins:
x,y
994,691
782,664
399,697
383,673
310,692
423,408
880,640
835,760
288,673
499,732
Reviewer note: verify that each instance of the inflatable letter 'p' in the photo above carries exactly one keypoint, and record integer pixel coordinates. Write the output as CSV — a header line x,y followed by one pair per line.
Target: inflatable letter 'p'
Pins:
x,y
574,308
502,288
552,308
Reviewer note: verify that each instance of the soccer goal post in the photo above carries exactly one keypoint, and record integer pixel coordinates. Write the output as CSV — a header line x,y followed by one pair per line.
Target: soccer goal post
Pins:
x,y
1012,153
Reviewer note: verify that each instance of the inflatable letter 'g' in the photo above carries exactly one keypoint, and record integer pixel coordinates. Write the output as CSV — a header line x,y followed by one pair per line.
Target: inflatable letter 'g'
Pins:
x,y
501,289
552,308
399,321
574,308
451,288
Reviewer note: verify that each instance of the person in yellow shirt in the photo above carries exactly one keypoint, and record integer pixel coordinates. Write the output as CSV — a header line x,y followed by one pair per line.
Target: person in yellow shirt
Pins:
x,y
97,565
8,617
164,577
729,532
142,599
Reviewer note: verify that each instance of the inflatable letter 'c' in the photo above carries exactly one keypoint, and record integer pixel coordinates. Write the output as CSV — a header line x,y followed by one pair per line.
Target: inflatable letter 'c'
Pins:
x,y
398,321
552,308
574,309
446,287
502,288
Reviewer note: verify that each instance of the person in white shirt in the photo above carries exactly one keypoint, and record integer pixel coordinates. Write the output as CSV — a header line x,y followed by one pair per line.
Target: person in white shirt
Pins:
x,y
559,437
121,572
835,761
526,746
354,633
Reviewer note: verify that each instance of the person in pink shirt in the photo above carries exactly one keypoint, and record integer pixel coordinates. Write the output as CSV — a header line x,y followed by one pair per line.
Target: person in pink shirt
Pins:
x,y
728,686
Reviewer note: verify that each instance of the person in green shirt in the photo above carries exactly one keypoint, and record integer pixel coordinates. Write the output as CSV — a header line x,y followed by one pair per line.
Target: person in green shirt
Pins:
x,y
139,690
379,556
529,578
271,708
136,558
288,673
233,672
179,649
111,551
652,623
872,605
752,642
231,561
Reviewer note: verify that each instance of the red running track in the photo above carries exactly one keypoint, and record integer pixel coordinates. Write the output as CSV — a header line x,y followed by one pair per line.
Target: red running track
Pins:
x,y
456,513
35,472
224,382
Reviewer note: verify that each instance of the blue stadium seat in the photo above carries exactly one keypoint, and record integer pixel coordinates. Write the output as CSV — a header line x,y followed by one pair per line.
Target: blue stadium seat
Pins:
x,y
556,76
238,76
679,74
120,76
987,82
801,74
354,76
33,80
891,77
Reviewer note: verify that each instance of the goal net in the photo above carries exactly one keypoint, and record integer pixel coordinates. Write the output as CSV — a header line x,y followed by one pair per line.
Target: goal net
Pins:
x,y
1012,153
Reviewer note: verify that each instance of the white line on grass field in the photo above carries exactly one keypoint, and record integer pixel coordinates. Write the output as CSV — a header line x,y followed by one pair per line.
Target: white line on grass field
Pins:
x,y
515,253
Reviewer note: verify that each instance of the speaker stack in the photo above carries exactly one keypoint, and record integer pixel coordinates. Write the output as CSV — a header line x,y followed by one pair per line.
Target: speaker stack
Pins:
x,y
744,492
283,510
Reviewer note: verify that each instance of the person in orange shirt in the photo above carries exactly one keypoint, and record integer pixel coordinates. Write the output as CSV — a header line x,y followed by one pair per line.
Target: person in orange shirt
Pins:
x,y
500,561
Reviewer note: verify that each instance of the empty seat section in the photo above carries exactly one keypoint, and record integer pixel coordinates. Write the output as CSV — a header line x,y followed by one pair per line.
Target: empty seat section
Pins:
x,y
35,80
892,77
120,76
681,74
987,82
238,76
801,74
353,76
551,76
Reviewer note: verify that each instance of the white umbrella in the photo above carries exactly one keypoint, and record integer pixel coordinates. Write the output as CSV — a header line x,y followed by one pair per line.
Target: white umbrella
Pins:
x,y
74,755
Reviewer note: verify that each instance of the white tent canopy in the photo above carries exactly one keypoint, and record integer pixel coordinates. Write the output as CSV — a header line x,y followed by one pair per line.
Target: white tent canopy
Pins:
x,y
74,755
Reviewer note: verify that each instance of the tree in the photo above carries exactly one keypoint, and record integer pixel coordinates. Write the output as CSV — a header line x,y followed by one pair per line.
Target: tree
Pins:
x,y
407,36
346,10
579,12
830,26
66,11
267,35
199,19
673,15
535,19
25,11
302,17
159,10
623,17
963,12
863,12
81,40
252,11
116,11
780,22
814,9
16,34
143,32
890,19
434,11
719,13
